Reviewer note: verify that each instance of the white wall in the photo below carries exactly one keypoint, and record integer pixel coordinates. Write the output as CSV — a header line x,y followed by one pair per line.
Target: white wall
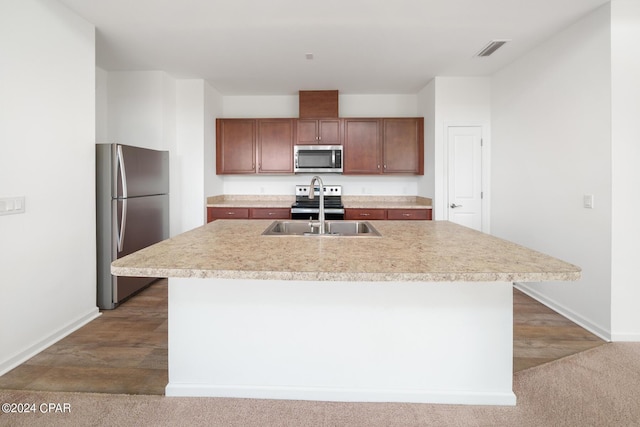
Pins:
x,y
427,109
551,144
349,106
102,105
198,104
625,79
47,131
141,109
459,101
213,184
153,110
188,168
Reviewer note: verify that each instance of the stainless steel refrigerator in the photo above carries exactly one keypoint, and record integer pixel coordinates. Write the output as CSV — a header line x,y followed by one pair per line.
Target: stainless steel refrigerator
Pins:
x,y
132,212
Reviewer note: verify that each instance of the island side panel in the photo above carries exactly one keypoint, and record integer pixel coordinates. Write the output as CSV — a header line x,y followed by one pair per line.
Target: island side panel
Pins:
x,y
341,341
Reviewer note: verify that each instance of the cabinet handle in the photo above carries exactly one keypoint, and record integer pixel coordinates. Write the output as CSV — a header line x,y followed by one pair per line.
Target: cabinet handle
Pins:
x,y
271,213
231,213
406,214
385,166
378,166
365,214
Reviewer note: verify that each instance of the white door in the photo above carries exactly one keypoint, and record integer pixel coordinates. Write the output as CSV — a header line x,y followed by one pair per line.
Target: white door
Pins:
x,y
464,150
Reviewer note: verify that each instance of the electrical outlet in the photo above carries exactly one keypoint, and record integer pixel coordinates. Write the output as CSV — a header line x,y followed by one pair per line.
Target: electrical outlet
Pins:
x,y
11,205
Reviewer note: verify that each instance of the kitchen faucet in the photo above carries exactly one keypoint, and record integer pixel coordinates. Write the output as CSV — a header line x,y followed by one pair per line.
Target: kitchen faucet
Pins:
x,y
311,196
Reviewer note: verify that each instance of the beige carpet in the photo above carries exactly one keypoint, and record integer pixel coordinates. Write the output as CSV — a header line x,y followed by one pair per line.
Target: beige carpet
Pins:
x,y
599,387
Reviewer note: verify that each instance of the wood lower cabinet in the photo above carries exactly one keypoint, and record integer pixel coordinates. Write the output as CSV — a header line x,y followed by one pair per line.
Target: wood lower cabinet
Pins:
x,y
270,213
387,214
227,213
248,146
247,213
409,214
365,214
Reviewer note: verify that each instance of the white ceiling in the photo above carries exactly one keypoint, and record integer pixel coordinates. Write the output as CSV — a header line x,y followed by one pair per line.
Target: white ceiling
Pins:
x,y
258,47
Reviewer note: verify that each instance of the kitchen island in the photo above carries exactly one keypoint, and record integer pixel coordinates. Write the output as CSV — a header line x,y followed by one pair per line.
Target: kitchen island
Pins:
x,y
422,314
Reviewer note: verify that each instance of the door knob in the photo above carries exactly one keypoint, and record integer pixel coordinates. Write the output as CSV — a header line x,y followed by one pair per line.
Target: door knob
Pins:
x,y
453,206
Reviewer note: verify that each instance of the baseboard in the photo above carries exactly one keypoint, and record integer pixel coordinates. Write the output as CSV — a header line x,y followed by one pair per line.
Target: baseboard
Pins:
x,y
23,356
566,312
328,394
625,337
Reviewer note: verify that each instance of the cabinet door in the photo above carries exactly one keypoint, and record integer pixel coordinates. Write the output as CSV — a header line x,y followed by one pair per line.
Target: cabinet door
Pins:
x,y
324,132
403,142
235,146
362,150
227,213
329,132
409,214
364,214
307,132
275,146
270,213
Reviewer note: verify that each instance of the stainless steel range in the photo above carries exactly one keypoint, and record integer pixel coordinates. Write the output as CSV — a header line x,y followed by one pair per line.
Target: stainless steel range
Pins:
x,y
305,208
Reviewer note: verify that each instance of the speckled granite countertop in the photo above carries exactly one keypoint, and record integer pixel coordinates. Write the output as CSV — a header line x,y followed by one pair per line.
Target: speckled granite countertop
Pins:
x,y
242,201
350,202
407,251
386,202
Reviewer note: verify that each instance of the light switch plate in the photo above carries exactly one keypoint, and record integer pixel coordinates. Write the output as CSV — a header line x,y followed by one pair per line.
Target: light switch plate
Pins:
x,y
11,205
588,201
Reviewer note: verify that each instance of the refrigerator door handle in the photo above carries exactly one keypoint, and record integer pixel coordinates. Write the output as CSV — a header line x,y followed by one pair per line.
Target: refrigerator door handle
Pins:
x,y
123,172
123,225
123,180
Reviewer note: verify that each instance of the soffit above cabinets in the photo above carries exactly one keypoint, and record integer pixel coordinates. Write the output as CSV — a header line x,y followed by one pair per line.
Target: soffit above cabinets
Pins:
x,y
318,104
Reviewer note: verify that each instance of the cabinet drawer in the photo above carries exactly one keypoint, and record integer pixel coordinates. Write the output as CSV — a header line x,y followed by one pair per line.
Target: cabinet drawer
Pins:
x,y
227,213
364,214
411,214
270,213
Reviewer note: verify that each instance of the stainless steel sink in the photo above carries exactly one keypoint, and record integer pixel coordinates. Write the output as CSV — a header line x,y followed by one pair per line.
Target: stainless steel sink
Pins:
x,y
332,228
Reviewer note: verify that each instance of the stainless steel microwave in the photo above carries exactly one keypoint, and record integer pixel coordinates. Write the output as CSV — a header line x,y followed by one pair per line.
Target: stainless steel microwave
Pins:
x,y
317,158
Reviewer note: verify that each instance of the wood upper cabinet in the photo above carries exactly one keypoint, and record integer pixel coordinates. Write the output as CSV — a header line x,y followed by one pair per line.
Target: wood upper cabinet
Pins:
x,y
248,146
275,145
403,145
324,132
384,146
235,146
362,146
372,146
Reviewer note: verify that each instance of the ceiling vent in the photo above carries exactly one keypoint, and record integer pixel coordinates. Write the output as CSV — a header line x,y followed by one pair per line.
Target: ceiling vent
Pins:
x,y
491,47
